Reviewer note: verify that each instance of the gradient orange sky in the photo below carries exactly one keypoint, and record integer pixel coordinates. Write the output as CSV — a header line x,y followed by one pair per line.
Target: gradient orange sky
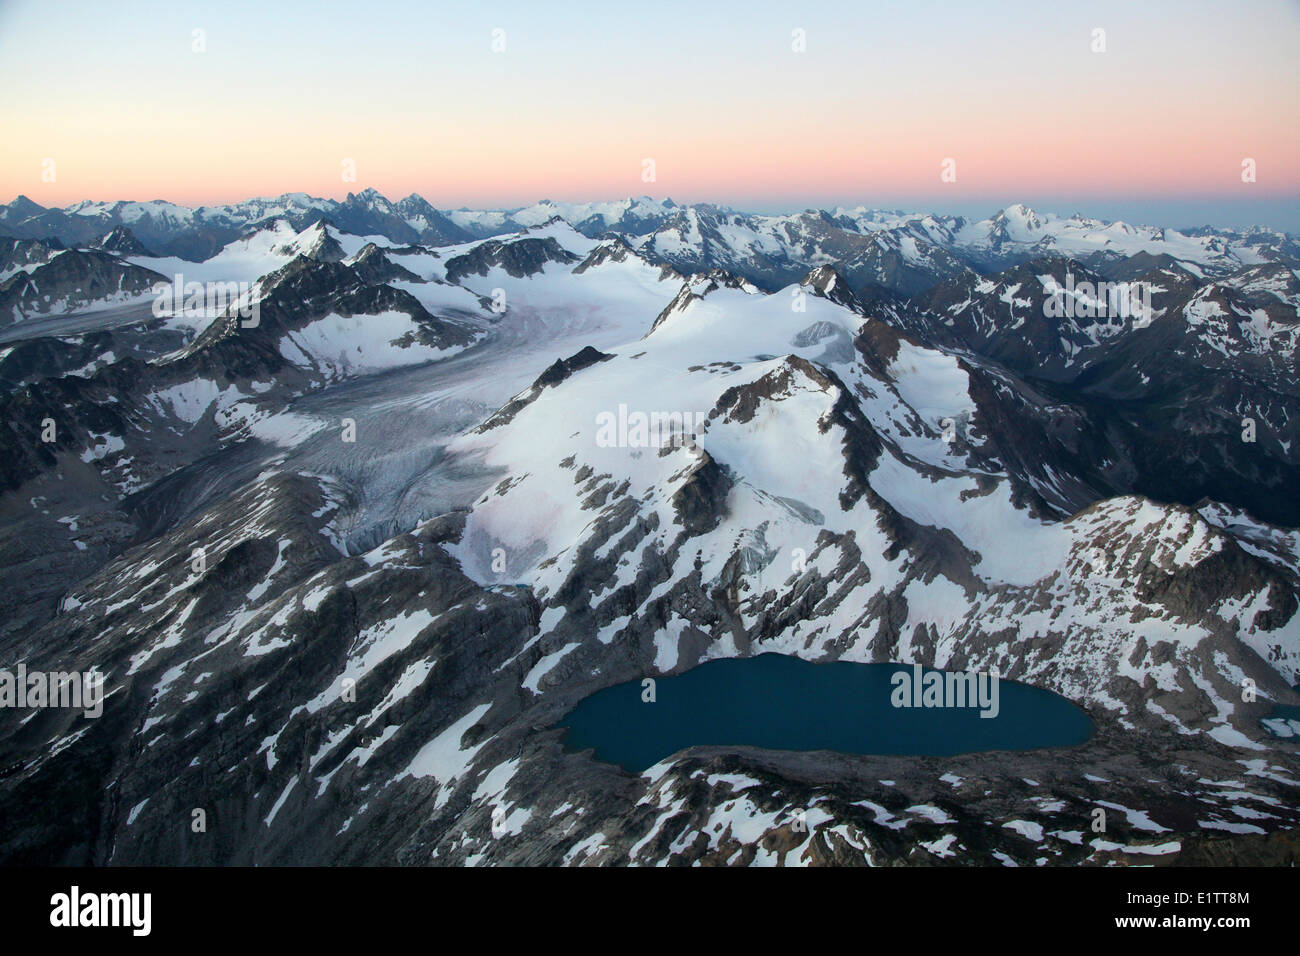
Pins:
x,y
414,94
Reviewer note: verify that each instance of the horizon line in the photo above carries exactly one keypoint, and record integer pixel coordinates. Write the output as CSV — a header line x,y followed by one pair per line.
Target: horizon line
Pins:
x,y
790,207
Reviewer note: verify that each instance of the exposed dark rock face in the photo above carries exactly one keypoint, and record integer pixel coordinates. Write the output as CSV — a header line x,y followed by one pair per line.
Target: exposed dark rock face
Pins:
x,y
828,283
701,238
368,213
519,258
1163,401
21,210
301,292
16,253
556,373
1008,318
65,408
697,287
30,361
374,266
563,368
617,249
71,280
121,241
431,226
700,501
320,244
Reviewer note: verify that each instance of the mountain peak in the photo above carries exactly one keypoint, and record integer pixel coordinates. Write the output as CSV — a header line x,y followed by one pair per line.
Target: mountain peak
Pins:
x,y
827,283
121,241
1020,213
25,207
369,195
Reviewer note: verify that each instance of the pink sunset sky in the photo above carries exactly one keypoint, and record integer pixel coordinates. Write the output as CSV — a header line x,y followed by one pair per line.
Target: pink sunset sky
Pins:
x,y
130,102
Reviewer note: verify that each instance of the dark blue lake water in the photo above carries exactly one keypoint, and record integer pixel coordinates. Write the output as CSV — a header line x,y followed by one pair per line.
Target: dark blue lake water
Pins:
x,y
784,703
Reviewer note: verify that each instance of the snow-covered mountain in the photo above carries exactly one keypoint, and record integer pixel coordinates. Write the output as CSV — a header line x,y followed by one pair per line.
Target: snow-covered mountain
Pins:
x,y
632,217
71,281
906,253
348,548
1017,234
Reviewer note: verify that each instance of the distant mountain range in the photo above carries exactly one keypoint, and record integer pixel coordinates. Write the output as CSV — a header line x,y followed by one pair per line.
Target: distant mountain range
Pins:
x,y
904,252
